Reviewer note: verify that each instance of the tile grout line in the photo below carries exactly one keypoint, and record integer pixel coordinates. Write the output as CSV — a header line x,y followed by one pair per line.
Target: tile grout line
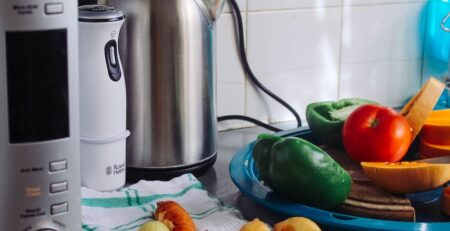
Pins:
x,y
422,70
249,84
289,9
327,7
338,94
245,35
383,3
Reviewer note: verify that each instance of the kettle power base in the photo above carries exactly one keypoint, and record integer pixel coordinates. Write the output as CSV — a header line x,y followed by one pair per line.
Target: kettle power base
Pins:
x,y
135,174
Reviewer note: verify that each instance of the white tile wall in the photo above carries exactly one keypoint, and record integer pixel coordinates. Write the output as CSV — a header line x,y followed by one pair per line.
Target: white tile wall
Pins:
x,y
313,50
242,4
270,5
377,2
381,32
229,69
230,75
293,57
381,52
387,82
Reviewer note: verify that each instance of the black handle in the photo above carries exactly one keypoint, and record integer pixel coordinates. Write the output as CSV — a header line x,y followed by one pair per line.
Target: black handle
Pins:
x,y
112,61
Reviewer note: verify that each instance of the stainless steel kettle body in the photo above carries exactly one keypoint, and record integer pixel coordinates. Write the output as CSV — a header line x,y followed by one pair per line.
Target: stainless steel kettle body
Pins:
x,y
168,52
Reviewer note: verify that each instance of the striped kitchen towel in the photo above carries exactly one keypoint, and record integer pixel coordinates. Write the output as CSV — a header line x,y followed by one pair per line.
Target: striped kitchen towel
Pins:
x,y
132,206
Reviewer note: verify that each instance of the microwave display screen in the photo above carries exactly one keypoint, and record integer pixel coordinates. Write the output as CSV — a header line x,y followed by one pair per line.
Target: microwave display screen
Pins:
x,y
37,84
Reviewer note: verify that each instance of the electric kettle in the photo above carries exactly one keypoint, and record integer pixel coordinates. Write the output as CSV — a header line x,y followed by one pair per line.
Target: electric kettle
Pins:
x,y
102,98
168,53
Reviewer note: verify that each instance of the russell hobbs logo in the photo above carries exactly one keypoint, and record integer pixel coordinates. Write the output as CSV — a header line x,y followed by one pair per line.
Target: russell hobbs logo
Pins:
x,y
115,170
108,170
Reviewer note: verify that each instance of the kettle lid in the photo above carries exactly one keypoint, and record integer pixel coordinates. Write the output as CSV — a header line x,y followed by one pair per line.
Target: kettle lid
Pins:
x,y
99,13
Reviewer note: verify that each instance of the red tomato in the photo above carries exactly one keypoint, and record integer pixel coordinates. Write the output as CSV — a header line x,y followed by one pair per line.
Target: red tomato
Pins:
x,y
376,133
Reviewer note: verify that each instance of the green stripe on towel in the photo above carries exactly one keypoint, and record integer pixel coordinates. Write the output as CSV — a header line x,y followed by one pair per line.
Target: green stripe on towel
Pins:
x,y
120,202
87,228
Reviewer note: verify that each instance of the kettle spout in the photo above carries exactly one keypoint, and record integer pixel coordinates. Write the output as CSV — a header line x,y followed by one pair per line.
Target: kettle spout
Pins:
x,y
211,9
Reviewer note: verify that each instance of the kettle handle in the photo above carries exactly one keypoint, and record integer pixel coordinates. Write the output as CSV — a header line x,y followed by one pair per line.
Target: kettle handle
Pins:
x,y
443,27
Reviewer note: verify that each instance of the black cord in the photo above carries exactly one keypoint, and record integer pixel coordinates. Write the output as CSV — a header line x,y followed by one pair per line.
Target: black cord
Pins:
x,y
243,55
249,119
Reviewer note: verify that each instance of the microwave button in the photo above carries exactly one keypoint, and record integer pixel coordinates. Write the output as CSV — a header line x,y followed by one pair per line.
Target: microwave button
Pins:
x,y
59,208
54,8
58,187
58,165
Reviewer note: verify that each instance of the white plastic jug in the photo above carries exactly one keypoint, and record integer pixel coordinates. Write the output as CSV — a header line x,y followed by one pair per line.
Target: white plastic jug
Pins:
x,y
102,99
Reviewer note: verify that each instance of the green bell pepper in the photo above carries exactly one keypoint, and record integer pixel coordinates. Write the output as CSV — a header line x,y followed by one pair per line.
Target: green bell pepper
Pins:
x,y
326,119
261,155
301,171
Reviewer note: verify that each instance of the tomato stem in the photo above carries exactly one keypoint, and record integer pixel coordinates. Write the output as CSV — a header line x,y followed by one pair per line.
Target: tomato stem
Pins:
x,y
374,123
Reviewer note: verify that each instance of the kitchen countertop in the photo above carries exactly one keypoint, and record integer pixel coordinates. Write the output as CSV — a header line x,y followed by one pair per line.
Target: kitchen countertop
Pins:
x,y
218,181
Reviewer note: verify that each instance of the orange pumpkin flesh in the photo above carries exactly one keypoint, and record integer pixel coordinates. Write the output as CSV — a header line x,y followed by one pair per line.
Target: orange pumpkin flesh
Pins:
x,y
430,150
407,177
436,129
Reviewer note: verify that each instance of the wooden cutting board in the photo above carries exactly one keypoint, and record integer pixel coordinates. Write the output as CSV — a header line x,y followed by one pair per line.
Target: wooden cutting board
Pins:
x,y
367,199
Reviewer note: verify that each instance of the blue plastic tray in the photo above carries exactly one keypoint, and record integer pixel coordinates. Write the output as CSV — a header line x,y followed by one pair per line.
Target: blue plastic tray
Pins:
x,y
245,176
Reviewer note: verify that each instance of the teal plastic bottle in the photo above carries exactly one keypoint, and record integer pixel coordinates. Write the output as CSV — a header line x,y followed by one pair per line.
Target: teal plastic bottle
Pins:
x,y
437,46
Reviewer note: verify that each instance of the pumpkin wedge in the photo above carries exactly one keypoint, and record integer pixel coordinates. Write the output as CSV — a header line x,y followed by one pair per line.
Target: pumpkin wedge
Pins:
x,y
436,129
429,150
407,177
418,108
